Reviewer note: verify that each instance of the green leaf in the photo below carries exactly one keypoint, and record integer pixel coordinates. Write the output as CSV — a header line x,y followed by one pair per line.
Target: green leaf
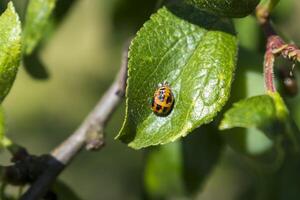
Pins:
x,y
10,49
37,19
266,112
32,63
196,53
269,114
281,109
258,115
226,8
252,112
34,66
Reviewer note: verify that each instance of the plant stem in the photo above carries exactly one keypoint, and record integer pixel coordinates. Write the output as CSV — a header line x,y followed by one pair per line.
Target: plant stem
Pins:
x,y
269,72
275,47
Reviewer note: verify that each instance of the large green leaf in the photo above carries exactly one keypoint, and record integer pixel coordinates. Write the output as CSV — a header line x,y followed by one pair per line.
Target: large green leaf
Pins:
x,y
226,8
37,19
193,51
10,49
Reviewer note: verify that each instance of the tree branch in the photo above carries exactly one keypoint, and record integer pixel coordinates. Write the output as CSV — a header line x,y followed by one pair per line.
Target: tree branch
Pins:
x,y
89,133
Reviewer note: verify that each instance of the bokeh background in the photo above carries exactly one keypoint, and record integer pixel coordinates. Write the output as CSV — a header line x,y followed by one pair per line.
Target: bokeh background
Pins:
x,y
82,57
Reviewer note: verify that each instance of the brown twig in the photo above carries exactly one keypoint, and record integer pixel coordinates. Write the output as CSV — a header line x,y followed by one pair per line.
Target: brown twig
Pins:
x,y
275,47
90,133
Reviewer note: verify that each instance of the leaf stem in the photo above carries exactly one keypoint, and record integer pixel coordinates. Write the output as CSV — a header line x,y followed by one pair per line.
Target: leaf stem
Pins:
x,y
269,72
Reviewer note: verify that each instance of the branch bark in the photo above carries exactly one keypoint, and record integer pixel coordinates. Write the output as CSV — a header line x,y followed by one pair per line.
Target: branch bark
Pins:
x,y
89,133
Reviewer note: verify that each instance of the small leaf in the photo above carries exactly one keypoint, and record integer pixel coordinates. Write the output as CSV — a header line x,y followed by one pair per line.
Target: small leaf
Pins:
x,y
269,114
10,49
48,23
252,112
226,8
34,66
196,53
265,112
260,115
37,18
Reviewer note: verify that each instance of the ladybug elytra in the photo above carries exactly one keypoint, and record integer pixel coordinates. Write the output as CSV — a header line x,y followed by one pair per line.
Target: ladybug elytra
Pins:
x,y
163,100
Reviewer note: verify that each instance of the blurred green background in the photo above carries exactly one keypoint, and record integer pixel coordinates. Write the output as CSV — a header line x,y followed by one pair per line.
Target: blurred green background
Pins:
x,y
83,56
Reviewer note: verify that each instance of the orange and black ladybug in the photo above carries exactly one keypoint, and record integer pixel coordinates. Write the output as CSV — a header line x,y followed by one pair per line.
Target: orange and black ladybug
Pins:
x,y
163,100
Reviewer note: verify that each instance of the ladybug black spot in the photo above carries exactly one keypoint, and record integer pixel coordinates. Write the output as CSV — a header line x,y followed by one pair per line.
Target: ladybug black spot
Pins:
x,y
158,107
169,99
165,109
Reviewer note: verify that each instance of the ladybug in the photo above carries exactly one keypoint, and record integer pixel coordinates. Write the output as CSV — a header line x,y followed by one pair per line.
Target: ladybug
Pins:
x,y
163,100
